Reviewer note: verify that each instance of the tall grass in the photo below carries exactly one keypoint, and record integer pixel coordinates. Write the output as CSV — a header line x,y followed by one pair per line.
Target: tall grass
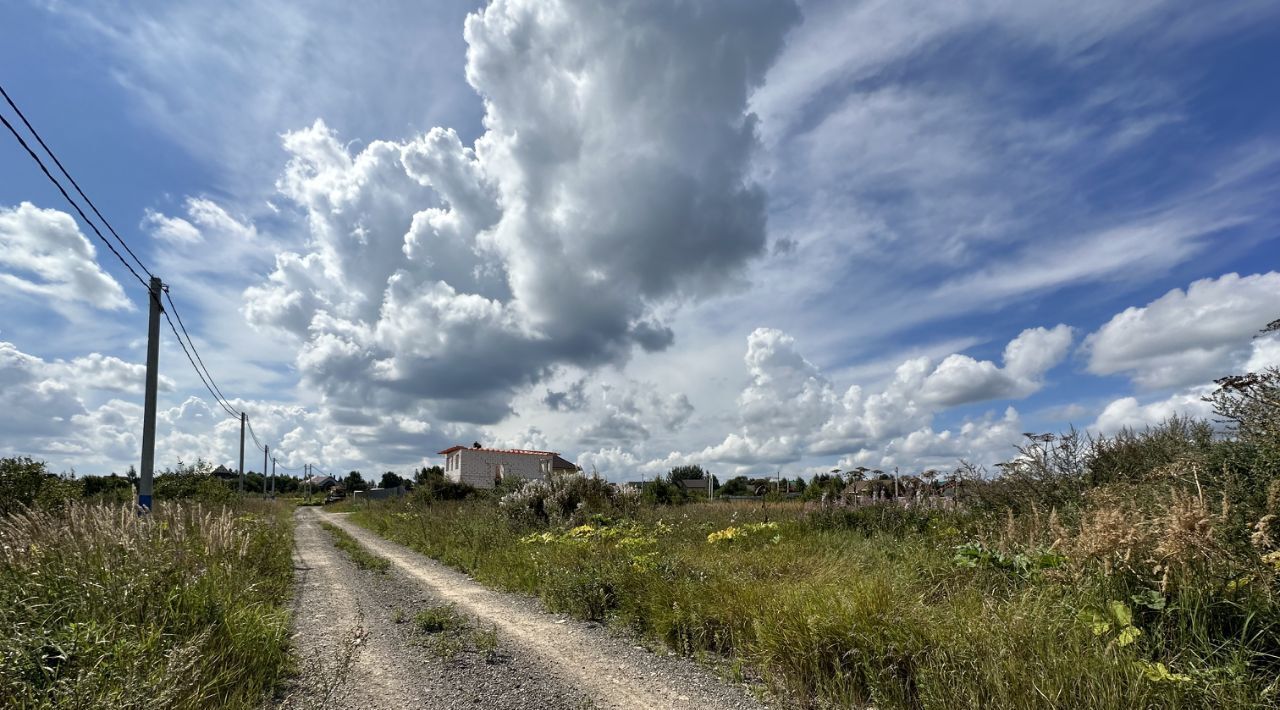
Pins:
x,y
184,608
847,608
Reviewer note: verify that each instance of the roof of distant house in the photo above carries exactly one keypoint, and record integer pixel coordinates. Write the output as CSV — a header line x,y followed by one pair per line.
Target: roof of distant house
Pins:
x,y
696,484
524,452
559,462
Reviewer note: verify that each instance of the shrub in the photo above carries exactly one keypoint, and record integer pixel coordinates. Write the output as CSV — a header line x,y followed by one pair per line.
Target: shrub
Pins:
x,y
21,479
566,498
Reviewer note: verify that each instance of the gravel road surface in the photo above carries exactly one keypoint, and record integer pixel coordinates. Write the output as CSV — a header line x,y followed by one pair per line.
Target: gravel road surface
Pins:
x,y
360,647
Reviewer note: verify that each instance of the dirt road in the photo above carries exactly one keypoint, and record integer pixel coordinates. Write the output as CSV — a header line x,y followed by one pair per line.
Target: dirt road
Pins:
x,y
355,642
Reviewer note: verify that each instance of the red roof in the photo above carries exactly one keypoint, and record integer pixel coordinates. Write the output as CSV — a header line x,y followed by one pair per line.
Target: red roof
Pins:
x,y
526,452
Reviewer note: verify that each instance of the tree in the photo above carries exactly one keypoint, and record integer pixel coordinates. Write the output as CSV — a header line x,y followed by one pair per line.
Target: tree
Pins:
x,y
20,481
354,482
391,480
661,491
736,486
429,476
686,473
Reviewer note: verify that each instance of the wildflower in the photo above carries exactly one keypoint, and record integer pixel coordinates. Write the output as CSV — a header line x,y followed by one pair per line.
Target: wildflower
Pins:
x,y
1159,672
728,534
1273,559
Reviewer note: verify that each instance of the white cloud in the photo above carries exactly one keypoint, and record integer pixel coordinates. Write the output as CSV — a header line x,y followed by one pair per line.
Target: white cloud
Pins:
x,y
1187,337
457,275
959,379
984,440
1177,309
44,253
174,230
223,81
105,372
33,405
1129,412
629,414
820,54
790,411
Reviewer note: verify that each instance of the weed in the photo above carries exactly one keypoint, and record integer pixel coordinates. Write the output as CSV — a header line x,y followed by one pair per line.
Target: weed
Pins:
x,y
443,618
451,633
486,643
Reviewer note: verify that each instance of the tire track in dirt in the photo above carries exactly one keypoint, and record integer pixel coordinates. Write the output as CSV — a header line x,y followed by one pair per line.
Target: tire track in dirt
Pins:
x,y
611,671
339,658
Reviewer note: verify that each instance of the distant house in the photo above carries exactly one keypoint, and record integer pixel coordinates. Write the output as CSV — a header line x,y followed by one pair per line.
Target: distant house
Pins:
x,y
485,468
321,483
693,485
224,473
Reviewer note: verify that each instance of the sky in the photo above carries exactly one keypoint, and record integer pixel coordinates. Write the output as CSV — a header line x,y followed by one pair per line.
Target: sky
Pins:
x,y
756,235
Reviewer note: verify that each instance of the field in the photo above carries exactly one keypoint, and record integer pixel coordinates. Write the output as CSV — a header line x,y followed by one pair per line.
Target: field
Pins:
x,y
185,608
1132,592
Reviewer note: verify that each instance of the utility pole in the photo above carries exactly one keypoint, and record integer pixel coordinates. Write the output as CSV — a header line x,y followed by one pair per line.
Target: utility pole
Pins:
x,y
266,449
243,418
273,478
149,399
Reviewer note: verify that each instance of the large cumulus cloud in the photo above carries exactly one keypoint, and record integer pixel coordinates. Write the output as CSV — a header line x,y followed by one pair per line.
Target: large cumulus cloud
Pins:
x,y
611,183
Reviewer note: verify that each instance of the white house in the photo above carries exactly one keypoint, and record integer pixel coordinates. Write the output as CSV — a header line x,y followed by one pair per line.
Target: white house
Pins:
x,y
483,468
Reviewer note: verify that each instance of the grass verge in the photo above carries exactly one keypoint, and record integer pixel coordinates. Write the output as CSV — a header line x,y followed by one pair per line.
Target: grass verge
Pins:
x,y
184,608
832,610
355,551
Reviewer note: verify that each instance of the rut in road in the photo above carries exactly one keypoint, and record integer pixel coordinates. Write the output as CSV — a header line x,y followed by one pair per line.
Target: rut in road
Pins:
x,y
610,671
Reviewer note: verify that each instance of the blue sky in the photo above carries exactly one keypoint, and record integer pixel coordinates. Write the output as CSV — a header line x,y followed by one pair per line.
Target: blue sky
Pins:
x,y
756,236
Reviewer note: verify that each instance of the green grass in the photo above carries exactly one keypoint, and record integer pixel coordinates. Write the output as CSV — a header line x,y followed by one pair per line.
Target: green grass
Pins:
x,y
449,633
355,551
185,608
854,609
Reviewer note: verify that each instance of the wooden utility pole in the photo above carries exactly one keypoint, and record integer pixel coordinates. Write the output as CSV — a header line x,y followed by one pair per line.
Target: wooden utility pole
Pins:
x,y
266,450
149,398
273,478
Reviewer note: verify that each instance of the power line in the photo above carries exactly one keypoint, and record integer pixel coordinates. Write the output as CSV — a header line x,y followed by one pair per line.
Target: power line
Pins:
x,y
74,184
174,328
73,203
223,398
202,370
255,436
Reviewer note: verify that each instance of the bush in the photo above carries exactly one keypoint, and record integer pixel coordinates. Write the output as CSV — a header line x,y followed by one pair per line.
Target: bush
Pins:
x,y
432,486
567,498
21,479
1134,456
